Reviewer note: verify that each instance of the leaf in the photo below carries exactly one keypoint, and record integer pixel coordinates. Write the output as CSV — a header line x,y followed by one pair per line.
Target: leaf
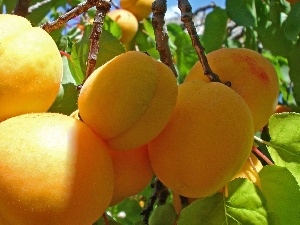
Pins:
x,y
282,193
291,25
110,220
109,47
285,141
251,39
242,12
293,62
245,205
163,215
215,29
66,101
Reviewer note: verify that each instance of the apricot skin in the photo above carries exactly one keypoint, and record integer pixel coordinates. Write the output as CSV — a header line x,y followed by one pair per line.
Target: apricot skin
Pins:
x,y
205,142
251,75
127,22
140,8
31,68
54,171
128,100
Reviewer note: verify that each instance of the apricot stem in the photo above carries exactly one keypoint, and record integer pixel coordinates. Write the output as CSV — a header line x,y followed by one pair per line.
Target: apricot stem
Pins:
x,y
159,8
105,219
260,154
186,17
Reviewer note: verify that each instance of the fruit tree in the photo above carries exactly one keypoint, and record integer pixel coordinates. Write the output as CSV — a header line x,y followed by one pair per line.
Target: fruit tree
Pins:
x,y
115,113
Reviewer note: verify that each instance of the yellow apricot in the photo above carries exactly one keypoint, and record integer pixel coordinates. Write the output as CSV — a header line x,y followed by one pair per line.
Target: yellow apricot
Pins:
x,y
251,75
140,8
128,100
127,22
132,172
54,171
205,142
248,172
31,67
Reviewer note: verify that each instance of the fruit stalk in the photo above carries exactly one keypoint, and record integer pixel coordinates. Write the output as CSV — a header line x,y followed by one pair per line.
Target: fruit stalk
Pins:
x,y
102,8
21,8
186,17
159,8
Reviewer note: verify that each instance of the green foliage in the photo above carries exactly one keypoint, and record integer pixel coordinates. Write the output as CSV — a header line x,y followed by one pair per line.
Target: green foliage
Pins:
x,y
245,205
163,215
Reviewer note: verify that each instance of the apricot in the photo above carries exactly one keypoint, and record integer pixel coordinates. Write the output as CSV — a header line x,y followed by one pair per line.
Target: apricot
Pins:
x,y
248,172
205,143
54,171
128,100
132,172
140,8
127,22
283,108
31,68
251,75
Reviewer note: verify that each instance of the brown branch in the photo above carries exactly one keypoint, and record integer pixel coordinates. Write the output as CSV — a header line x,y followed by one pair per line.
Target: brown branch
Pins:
x,y
102,8
21,8
159,8
204,8
63,19
186,18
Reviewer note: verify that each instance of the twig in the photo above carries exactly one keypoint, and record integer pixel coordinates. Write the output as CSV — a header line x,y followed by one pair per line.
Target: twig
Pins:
x,y
186,18
21,8
161,193
261,155
63,19
204,8
37,5
102,8
159,8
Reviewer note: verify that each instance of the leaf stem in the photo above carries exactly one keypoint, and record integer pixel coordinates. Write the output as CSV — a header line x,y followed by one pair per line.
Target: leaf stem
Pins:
x,y
260,154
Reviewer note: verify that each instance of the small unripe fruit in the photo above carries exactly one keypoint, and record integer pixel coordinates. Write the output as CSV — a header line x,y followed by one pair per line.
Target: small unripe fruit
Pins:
x,y
140,8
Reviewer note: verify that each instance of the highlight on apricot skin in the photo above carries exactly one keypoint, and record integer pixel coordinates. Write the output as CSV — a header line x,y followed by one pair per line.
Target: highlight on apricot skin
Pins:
x,y
251,75
54,171
205,142
31,67
132,172
140,8
128,100
127,22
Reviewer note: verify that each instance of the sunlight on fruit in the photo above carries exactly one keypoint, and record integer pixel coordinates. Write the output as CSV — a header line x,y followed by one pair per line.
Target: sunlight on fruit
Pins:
x,y
204,144
140,8
53,168
31,67
128,100
251,75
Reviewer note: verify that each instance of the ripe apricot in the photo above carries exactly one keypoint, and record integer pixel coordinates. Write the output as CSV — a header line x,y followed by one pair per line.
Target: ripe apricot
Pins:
x,y
248,172
31,67
132,172
127,22
251,75
283,108
128,100
54,171
206,141
140,8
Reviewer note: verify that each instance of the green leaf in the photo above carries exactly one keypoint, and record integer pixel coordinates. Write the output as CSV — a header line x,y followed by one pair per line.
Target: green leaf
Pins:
x,y
66,101
291,25
163,215
251,39
285,141
293,62
109,47
215,29
112,27
110,220
242,12
282,193
244,205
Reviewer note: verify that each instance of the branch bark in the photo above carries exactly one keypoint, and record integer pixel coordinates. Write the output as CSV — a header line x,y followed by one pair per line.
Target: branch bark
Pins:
x,y
187,19
21,8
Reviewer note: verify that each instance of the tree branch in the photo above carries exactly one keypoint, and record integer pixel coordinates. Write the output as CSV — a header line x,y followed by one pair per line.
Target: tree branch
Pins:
x,y
63,19
159,8
21,8
186,18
